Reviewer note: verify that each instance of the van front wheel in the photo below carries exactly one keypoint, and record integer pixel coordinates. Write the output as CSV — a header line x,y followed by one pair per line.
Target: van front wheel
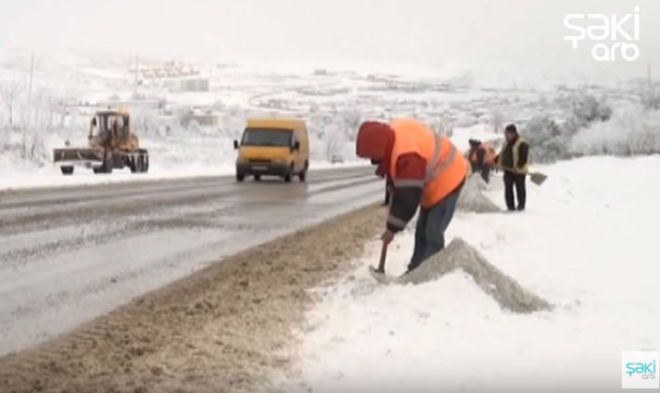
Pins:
x,y
240,177
303,174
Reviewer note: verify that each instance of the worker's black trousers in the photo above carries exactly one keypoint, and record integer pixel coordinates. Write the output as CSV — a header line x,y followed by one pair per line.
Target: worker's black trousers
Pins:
x,y
388,190
516,180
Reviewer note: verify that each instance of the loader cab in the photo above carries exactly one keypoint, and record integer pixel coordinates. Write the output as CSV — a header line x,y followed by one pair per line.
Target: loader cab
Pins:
x,y
110,127
277,147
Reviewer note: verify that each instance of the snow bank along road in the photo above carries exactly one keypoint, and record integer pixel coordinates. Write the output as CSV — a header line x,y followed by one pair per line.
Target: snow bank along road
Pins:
x,y
70,254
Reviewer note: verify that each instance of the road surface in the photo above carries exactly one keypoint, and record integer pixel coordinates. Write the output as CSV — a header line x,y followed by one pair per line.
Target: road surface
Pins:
x,y
70,254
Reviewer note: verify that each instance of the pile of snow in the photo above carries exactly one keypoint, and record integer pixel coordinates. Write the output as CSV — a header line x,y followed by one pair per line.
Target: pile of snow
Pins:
x,y
586,244
460,255
472,198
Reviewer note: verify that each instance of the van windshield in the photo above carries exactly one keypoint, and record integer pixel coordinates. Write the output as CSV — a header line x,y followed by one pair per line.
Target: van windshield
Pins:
x,y
267,137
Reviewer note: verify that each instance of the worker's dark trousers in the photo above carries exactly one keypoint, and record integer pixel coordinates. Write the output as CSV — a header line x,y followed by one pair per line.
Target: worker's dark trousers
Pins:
x,y
516,180
388,190
430,231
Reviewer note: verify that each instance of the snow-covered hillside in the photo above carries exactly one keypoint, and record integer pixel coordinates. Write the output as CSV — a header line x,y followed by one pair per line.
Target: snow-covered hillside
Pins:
x,y
192,131
587,244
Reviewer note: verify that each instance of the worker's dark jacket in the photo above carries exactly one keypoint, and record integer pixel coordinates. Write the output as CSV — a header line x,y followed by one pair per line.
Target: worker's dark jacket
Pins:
x,y
406,199
506,157
481,154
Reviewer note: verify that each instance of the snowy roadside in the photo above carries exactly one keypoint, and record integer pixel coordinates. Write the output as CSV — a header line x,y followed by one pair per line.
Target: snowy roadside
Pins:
x,y
198,156
586,244
50,176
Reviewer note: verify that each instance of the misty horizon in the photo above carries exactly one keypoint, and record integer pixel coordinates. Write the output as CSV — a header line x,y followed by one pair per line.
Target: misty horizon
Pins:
x,y
444,37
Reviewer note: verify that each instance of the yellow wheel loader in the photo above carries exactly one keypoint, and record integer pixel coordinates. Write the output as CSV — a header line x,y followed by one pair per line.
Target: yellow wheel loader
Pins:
x,y
112,145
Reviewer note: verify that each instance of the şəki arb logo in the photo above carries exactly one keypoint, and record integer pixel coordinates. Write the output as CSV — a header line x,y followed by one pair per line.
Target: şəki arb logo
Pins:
x,y
639,370
614,37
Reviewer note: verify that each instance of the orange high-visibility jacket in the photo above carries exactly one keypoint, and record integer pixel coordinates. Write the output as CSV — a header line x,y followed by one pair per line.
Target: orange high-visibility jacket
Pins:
x,y
446,167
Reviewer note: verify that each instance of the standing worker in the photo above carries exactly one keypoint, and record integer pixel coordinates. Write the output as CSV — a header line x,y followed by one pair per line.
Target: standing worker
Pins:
x,y
482,158
426,170
513,160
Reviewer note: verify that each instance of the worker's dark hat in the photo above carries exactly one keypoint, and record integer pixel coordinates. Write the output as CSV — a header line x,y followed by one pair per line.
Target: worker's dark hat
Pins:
x,y
511,128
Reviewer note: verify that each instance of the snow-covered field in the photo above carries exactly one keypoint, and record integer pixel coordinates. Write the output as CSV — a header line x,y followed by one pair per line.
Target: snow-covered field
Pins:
x,y
587,244
191,132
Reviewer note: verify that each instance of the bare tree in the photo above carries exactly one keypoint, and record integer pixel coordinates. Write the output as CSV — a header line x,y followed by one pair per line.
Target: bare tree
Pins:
x,y
333,142
38,99
650,98
10,90
442,125
53,105
496,120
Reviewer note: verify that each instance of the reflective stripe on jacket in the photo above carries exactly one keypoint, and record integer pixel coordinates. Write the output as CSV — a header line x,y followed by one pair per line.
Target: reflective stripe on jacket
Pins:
x,y
446,166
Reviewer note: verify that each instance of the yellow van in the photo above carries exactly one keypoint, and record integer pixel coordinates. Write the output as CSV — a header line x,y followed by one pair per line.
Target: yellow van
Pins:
x,y
277,147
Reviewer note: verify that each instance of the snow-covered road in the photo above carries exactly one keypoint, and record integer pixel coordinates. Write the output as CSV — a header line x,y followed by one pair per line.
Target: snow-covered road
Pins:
x,y
70,254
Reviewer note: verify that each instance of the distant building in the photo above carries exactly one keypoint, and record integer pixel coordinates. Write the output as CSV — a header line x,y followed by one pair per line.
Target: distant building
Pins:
x,y
168,70
200,117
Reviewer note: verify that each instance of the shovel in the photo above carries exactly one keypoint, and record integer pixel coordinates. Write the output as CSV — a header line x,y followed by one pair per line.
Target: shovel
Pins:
x,y
536,177
378,273
383,251
383,255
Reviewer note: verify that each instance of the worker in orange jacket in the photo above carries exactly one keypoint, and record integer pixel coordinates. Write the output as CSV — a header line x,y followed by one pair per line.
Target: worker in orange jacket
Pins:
x,y
482,158
426,170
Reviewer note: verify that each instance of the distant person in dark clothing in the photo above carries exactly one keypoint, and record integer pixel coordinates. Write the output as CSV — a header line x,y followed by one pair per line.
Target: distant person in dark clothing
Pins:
x,y
482,158
513,159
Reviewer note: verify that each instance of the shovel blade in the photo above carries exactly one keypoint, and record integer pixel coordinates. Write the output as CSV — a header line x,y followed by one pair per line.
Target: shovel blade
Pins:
x,y
538,178
381,277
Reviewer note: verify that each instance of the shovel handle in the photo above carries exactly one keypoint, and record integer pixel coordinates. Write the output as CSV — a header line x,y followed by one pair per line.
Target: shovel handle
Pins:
x,y
383,250
383,256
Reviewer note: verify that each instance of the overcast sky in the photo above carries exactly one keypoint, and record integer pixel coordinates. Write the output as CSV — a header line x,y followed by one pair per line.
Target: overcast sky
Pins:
x,y
497,34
